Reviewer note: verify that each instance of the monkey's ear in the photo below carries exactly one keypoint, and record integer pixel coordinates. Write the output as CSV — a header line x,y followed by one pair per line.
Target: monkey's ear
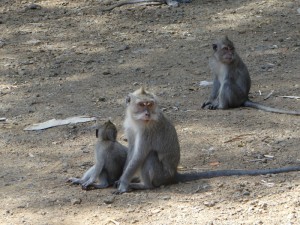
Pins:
x,y
214,46
128,100
97,130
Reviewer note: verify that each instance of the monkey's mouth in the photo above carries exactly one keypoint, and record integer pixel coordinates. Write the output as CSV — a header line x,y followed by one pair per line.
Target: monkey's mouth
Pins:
x,y
228,60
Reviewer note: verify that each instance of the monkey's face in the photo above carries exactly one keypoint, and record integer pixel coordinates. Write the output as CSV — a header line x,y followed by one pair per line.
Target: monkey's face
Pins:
x,y
144,110
225,53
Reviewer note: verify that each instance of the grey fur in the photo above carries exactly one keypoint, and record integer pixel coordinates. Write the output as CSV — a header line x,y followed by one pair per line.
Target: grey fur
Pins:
x,y
110,158
232,82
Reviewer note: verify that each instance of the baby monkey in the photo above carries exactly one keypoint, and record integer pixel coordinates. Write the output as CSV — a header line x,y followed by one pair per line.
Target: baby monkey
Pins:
x,y
110,159
232,82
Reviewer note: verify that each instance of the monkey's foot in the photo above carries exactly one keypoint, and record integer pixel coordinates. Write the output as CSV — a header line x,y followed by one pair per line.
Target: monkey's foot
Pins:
x,y
121,188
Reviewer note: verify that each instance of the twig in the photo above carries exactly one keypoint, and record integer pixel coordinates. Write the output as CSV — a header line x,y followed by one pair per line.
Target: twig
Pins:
x,y
237,138
292,97
113,221
269,95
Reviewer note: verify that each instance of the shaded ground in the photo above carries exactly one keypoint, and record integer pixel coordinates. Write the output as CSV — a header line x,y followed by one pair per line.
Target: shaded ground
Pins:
x,y
66,59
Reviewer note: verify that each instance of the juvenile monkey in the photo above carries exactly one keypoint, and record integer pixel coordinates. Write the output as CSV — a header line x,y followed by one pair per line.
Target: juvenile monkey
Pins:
x,y
153,148
232,82
110,159
173,3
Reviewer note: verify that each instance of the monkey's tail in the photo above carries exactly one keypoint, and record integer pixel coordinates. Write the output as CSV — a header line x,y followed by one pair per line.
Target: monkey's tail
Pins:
x,y
255,105
185,177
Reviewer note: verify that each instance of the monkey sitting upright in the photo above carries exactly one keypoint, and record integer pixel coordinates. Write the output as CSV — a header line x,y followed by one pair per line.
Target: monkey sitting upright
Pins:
x,y
110,159
232,82
154,152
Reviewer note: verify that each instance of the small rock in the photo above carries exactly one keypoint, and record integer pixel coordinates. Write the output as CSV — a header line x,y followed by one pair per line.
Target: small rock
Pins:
x,y
109,199
106,72
167,197
123,48
246,193
121,61
210,204
21,206
75,201
101,99
33,6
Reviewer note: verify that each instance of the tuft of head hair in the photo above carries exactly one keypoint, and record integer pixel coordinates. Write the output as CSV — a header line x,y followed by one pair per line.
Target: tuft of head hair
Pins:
x,y
141,91
225,40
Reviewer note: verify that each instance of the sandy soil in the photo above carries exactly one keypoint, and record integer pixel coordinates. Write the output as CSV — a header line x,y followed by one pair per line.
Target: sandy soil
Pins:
x,y
66,58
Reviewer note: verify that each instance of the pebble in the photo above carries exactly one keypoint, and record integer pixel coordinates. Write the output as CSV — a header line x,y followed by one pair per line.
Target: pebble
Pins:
x,y
167,197
106,72
75,201
210,204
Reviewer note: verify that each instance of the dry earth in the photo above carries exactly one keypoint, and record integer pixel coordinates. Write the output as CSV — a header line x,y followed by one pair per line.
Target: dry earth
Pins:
x,y
66,58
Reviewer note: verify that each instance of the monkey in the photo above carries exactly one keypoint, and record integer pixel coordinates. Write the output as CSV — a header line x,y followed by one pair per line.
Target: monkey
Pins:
x,y
110,159
232,82
173,3
154,151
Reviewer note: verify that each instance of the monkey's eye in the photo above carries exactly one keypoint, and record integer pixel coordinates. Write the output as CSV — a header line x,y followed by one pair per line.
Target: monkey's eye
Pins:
x,y
142,104
150,104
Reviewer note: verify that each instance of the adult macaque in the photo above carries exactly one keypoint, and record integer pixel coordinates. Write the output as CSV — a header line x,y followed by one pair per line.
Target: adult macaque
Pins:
x,y
110,160
173,3
232,81
153,148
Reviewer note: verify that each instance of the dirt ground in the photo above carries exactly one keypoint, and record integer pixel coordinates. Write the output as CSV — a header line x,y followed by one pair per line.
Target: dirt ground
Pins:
x,y
65,58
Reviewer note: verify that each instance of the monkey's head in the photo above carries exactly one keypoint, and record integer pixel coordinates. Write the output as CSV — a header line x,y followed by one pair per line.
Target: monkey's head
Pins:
x,y
224,50
142,106
107,131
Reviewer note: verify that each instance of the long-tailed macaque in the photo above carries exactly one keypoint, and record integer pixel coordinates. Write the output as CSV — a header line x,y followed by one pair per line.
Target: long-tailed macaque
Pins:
x,y
232,81
173,3
153,148
110,160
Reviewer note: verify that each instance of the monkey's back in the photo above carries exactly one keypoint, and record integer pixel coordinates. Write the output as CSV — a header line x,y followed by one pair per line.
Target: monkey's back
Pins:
x,y
165,143
115,158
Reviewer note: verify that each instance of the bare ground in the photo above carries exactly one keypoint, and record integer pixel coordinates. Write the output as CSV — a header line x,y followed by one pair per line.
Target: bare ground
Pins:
x,y
66,58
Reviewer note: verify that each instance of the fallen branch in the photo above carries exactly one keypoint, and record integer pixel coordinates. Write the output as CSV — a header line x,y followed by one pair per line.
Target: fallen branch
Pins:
x,y
55,122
